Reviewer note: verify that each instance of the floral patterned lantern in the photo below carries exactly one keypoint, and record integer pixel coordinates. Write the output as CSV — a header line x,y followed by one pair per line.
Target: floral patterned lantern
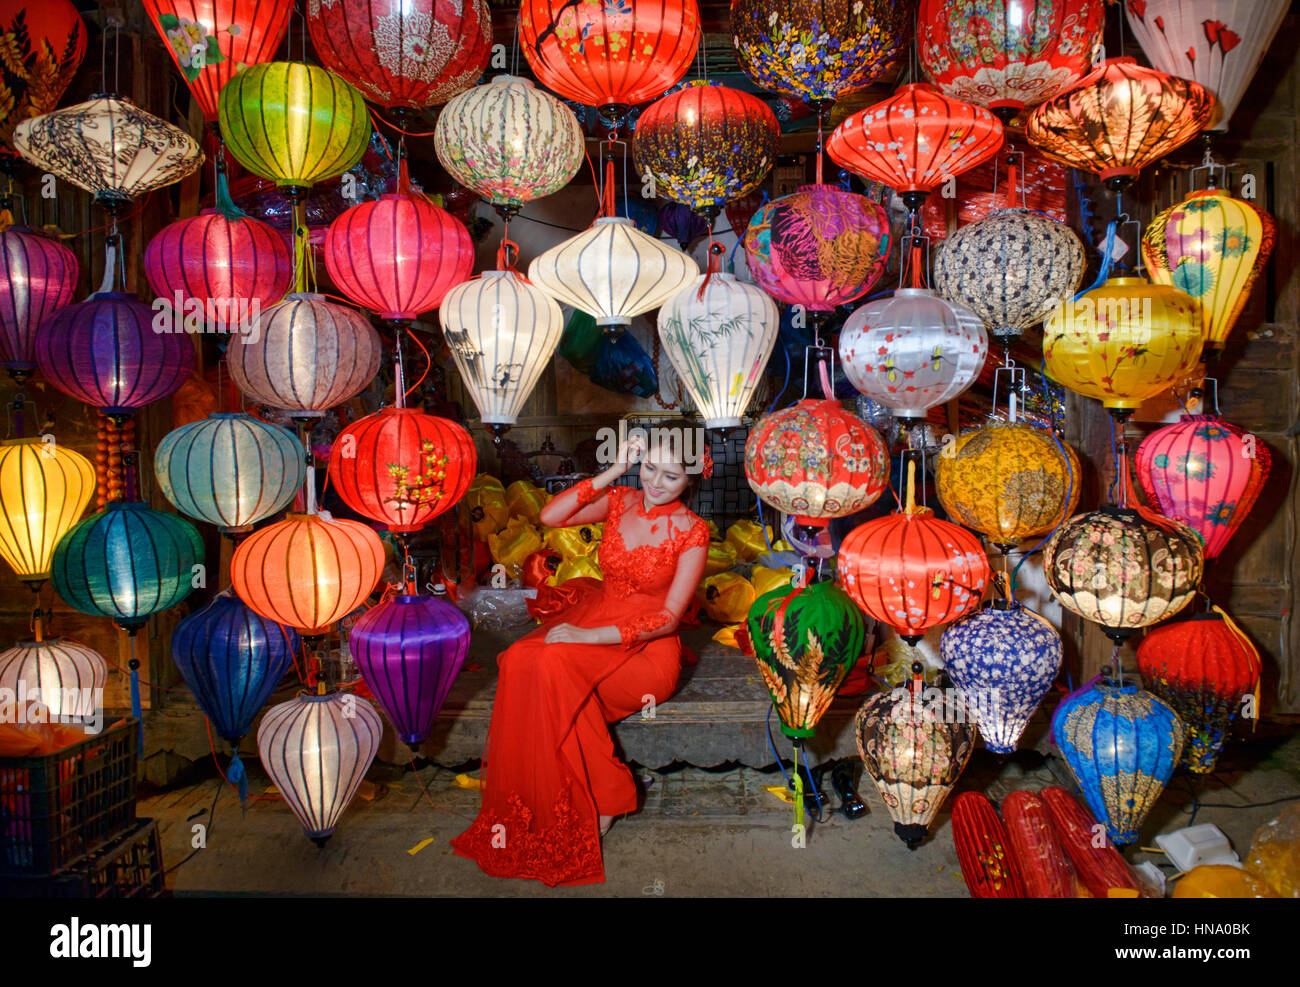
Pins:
x,y
38,276
48,45
68,677
988,865
44,488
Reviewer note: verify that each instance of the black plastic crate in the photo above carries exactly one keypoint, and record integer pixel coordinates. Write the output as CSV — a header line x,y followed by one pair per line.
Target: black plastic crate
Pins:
x,y
129,867
57,809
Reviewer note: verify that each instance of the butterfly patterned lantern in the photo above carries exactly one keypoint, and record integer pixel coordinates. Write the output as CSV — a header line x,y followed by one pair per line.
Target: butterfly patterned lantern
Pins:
x,y
38,276
47,47
65,676
44,488
988,865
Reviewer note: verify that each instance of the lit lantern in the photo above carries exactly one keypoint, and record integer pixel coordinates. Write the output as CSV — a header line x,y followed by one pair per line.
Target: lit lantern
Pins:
x,y
818,247
1015,54
49,43
399,54
402,467
294,124
231,470
126,562
1212,247
706,144
1121,743
1122,343
988,866
1219,43
317,750
38,276
1119,119
1011,269
106,353
613,272
1204,667
1003,658
913,350
44,487
409,649
718,334
306,355
66,677
1204,472
307,572
211,40
1122,570
509,141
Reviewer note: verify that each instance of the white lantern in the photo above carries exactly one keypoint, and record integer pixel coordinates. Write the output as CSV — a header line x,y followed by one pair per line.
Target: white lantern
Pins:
x,y
719,342
501,332
913,351
317,750
613,272
64,676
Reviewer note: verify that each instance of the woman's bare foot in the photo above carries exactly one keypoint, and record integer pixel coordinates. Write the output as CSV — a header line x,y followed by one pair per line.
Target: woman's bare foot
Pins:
x,y
605,822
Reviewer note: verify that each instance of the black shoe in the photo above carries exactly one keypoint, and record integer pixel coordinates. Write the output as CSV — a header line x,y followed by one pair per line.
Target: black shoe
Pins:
x,y
842,781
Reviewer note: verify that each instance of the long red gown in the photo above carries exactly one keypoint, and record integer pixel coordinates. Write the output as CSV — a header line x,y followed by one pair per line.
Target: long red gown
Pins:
x,y
549,769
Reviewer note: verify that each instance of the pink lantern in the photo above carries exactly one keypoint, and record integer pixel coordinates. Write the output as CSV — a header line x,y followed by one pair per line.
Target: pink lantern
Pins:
x,y
37,278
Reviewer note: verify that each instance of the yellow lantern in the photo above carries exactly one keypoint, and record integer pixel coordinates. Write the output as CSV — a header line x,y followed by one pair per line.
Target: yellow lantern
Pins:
x,y
1124,342
44,488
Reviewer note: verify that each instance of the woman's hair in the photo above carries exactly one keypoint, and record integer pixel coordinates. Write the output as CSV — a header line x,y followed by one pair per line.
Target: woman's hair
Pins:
x,y
687,442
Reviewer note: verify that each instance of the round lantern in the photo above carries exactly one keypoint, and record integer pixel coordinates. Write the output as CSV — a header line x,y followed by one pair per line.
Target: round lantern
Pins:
x,y
397,255
306,355
49,43
409,650
126,562
106,352
231,470
44,487
509,141
1120,119
400,55
317,750
818,247
718,334
1003,658
232,659
294,124
211,40
1011,269
1014,54
65,677
913,350
402,467
705,145
1121,570
1204,472
307,572
1212,247
1122,343
502,333
816,461
1204,668
1121,743
613,272
38,276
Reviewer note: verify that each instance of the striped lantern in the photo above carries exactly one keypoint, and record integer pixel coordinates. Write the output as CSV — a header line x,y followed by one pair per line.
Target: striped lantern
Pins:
x,y
1037,849
230,470
317,750
988,866
66,677
44,487
1098,864
38,276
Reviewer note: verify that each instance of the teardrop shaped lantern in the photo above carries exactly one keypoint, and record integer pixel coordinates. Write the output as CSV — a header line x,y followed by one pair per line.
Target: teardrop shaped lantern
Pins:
x,y
1212,247
613,272
44,488
48,46
718,334
317,750
409,649
126,562
1119,119
38,276
66,677
306,355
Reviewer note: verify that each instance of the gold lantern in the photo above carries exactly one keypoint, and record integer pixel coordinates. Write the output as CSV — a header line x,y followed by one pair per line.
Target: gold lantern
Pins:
x,y
44,488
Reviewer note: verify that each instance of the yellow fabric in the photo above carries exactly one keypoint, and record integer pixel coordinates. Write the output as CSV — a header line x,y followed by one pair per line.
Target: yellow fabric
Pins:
x,y
726,597
488,513
765,580
576,541
714,533
727,636
721,558
526,500
513,544
746,537
581,566
1221,881
485,481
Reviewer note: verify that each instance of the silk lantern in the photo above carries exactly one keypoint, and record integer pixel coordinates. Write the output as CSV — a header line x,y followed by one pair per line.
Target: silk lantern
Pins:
x,y
682,224
1119,119
38,276
1121,743
988,865
1212,247
44,488
47,47
1098,864
64,676
718,334
1045,867
409,649
1003,658
126,562
317,750
211,40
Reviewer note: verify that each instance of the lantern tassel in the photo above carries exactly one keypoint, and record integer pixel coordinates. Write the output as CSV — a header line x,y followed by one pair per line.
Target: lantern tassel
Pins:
x,y
1246,643
137,709
225,204
237,776
798,790
403,173
609,187
110,262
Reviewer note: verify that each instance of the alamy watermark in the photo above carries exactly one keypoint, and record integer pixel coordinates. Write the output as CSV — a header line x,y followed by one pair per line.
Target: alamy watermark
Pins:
x,y
32,704
673,444
231,315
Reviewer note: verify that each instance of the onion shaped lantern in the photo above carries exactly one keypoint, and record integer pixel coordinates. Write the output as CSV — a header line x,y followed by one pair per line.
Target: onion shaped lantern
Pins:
x,y
317,750
38,276
44,488
66,677
409,649
48,46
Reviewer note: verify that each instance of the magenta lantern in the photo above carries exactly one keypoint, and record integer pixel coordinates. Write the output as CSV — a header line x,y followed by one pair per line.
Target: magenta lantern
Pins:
x,y
37,278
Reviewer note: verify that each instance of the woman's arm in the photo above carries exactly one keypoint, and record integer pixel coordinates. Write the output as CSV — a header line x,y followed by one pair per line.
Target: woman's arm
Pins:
x,y
587,502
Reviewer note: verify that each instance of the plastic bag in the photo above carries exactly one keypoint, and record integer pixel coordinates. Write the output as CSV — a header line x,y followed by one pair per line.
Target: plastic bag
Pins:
x,y
526,500
514,543
497,610
623,366
1275,853
726,597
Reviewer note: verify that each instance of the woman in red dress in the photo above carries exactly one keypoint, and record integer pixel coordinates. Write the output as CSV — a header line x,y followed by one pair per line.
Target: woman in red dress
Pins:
x,y
551,781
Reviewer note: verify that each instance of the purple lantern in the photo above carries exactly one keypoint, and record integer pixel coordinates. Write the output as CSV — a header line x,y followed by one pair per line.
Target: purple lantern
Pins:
x,y
106,352
409,649
681,224
37,278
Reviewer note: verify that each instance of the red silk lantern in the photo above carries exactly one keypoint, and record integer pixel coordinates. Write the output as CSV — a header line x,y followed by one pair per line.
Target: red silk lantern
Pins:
x,y
988,866
402,467
1100,867
47,44
1044,866
38,276
539,568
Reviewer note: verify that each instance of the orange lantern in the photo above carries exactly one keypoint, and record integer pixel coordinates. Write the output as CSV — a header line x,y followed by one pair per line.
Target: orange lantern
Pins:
x,y
45,43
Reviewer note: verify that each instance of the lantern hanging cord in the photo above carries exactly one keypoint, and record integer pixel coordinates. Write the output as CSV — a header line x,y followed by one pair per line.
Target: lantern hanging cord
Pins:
x,y
1069,493
429,798
377,119
790,784
211,814
428,363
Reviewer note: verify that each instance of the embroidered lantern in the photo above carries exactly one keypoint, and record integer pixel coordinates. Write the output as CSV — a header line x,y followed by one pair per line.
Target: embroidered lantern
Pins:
x,y
44,487
49,43
988,865
38,276
65,677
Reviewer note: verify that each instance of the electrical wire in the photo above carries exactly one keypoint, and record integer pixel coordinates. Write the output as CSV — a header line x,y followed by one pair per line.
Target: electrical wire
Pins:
x,y
212,813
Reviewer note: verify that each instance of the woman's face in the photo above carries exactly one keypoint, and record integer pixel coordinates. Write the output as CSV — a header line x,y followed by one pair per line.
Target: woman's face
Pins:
x,y
663,478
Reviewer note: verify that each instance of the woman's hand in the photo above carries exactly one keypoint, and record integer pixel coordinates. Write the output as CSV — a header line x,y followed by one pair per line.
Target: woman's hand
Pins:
x,y
630,451
568,634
